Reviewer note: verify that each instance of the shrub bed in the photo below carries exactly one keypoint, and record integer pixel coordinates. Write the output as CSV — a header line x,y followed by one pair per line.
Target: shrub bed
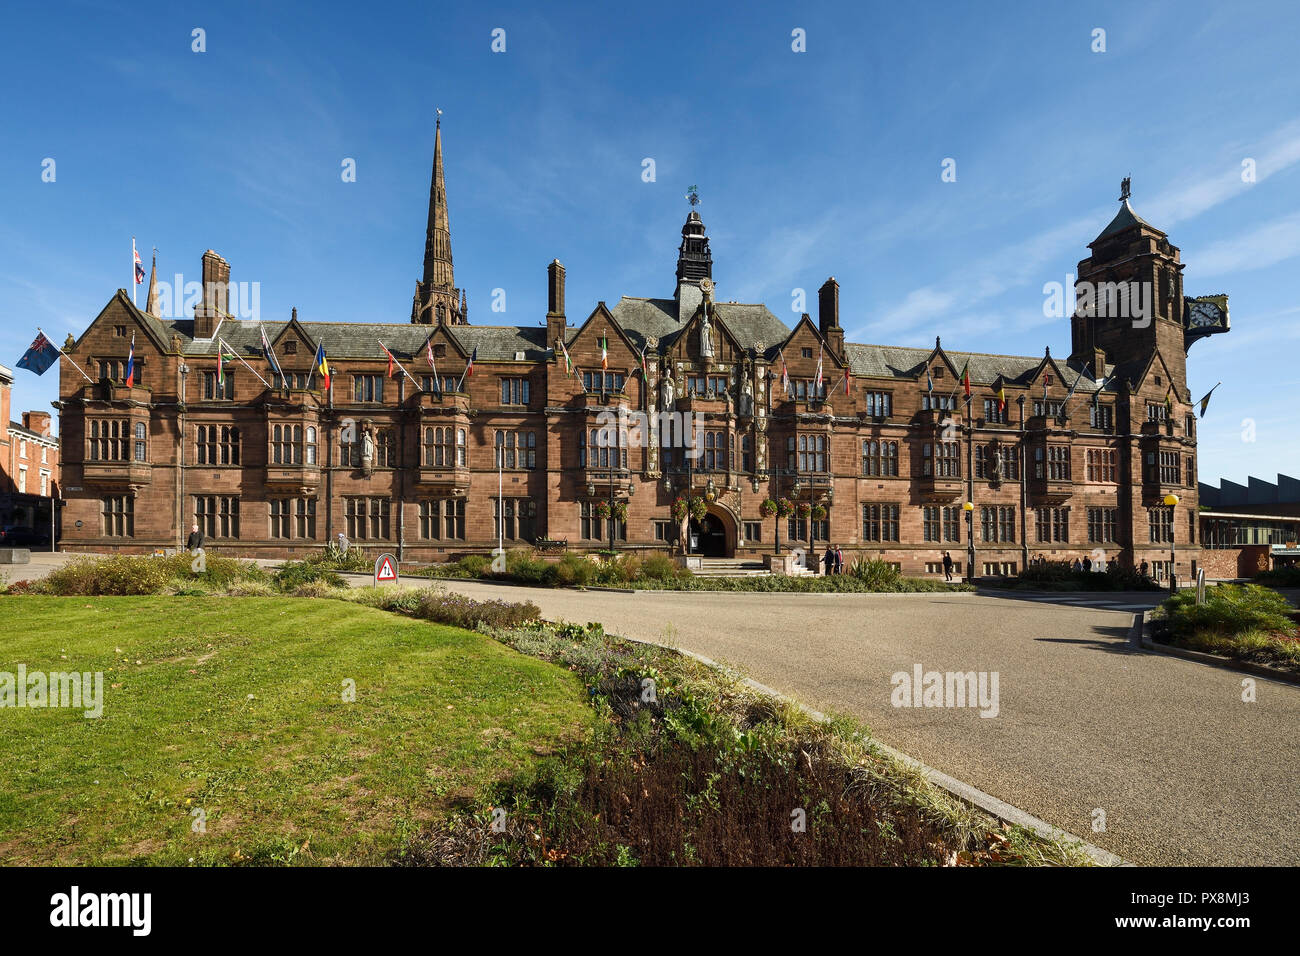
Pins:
x,y
1061,576
1246,622
689,767
659,572
136,575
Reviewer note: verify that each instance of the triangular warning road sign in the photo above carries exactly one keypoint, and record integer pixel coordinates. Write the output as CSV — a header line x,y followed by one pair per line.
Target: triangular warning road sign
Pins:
x,y
386,570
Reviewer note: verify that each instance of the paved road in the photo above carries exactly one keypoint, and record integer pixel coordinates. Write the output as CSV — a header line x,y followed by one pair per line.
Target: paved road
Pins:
x,y
1185,772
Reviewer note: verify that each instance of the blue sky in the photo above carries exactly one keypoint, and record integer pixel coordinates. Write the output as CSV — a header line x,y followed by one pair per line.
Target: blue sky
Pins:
x,y
825,162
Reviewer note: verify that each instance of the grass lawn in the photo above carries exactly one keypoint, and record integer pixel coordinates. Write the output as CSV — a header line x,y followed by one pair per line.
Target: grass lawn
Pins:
x,y
235,706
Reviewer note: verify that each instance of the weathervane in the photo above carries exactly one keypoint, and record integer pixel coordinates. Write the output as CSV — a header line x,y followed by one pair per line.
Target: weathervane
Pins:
x,y
439,120
1124,188
693,195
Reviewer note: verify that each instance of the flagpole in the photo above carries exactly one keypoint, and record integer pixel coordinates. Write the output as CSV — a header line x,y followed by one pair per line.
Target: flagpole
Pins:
x,y
221,342
133,282
69,357
397,363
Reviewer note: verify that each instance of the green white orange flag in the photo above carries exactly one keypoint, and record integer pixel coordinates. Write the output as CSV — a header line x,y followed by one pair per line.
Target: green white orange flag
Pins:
x,y
604,352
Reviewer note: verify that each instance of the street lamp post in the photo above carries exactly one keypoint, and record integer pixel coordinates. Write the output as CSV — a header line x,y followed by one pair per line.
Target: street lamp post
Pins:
x,y
969,508
1171,500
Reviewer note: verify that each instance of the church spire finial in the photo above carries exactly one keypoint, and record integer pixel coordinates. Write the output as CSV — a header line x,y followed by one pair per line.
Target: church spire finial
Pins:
x,y
151,303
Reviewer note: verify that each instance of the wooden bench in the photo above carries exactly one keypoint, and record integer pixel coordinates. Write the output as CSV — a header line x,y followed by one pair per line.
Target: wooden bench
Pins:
x,y
551,545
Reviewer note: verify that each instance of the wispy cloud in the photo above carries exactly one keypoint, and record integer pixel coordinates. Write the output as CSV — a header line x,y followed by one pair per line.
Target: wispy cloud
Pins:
x,y
1018,264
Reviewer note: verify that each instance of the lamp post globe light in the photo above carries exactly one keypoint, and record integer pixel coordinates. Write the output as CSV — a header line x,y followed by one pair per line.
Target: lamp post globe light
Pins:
x,y
969,508
1171,500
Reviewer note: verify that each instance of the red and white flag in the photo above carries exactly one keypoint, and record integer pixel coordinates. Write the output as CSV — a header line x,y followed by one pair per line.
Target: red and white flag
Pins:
x,y
819,370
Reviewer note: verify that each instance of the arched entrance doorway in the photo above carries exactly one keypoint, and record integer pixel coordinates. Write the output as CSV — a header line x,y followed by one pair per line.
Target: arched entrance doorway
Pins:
x,y
715,535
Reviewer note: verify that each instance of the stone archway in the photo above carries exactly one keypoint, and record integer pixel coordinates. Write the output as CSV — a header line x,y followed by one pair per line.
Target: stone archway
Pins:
x,y
716,534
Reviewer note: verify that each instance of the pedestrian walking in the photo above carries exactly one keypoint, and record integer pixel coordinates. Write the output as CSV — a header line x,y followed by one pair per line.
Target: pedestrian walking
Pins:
x,y
828,560
195,540
947,566
839,560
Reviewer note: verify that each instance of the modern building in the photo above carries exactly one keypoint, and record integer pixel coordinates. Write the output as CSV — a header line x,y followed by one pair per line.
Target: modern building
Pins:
x,y
1250,528
876,448
29,464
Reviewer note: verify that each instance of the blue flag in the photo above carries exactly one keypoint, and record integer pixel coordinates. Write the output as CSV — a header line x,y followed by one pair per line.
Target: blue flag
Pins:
x,y
40,356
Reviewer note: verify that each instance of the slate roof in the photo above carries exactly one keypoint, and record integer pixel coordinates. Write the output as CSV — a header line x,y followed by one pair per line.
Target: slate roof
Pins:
x,y
890,361
361,339
753,325
1126,218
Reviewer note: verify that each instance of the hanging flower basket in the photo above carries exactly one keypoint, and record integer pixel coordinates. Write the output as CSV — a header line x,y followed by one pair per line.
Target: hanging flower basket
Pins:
x,y
679,510
784,508
768,508
699,508
620,511
819,512
602,510
804,509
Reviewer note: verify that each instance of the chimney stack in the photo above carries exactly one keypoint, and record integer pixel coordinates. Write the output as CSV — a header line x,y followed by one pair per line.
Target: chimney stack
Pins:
x,y
216,296
828,316
38,422
555,320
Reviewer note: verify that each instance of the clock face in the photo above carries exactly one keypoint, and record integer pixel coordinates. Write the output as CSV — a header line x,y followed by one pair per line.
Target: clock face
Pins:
x,y
1204,314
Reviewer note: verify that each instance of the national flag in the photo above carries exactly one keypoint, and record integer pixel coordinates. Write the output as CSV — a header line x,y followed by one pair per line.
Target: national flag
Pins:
x,y
568,360
224,353
965,377
1205,402
604,352
428,357
392,362
40,356
645,372
929,381
785,375
1047,380
819,370
322,366
139,266
469,369
1070,393
846,382
269,354
1002,399
1101,388
130,362
1169,398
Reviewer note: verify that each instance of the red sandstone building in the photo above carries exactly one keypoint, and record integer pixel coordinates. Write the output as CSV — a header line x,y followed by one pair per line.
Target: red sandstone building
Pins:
x,y
29,470
1062,457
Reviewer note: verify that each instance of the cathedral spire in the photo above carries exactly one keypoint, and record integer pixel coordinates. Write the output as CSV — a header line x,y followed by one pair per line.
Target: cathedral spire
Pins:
x,y
437,300
437,237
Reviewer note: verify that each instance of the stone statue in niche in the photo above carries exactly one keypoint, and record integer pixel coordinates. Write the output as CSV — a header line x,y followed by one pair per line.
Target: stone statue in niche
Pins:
x,y
666,390
706,337
747,398
367,448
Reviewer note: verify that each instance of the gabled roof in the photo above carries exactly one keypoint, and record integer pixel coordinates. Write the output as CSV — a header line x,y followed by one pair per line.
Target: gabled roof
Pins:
x,y
752,325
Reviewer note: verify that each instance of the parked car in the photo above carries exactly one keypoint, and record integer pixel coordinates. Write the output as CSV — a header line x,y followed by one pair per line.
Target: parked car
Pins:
x,y
15,536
